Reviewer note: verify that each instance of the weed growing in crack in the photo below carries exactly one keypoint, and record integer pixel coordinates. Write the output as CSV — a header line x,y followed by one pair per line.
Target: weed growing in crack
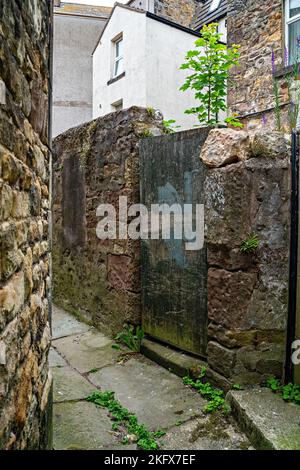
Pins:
x,y
151,111
250,245
289,392
236,387
214,396
132,339
146,133
145,439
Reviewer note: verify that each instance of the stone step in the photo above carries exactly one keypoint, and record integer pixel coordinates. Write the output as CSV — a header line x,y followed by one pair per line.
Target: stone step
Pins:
x,y
269,422
175,361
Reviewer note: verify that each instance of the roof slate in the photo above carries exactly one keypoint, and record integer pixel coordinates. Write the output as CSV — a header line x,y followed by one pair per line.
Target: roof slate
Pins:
x,y
204,16
77,9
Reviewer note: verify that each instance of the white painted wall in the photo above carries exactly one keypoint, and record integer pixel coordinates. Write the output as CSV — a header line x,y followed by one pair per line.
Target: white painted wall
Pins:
x,y
74,40
166,48
153,53
131,88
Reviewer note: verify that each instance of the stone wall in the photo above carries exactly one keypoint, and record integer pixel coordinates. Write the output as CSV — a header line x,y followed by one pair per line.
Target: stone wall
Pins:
x,y
96,163
247,191
179,11
25,381
258,27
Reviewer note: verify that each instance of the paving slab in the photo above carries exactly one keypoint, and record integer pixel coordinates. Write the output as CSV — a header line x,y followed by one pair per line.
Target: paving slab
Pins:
x,y
55,359
87,351
80,425
64,324
212,432
266,418
157,397
69,385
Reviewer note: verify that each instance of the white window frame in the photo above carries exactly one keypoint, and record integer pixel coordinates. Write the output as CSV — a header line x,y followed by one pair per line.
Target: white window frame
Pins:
x,y
117,59
214,5
288,21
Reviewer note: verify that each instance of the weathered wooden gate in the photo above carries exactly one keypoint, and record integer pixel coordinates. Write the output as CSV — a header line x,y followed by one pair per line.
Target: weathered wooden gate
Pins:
x,y
174,298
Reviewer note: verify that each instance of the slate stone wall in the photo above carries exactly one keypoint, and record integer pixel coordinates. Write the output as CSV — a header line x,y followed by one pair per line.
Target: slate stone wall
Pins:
x,y
25,380
258,26
96,163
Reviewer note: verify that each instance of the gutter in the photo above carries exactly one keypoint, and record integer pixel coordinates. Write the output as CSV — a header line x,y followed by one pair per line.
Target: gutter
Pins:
x,y
172,24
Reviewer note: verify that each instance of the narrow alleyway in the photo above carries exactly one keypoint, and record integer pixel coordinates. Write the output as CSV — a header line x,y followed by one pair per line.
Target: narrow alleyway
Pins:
x,y
83,360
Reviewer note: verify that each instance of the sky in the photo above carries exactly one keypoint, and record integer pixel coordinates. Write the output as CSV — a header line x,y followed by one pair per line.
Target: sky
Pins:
x,y
103,3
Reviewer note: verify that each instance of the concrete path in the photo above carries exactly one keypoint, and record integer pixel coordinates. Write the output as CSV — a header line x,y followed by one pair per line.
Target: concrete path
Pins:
x,y
83,360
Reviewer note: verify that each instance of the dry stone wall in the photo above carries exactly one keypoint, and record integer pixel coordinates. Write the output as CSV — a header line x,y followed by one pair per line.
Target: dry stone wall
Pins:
x,y
96,163
25,380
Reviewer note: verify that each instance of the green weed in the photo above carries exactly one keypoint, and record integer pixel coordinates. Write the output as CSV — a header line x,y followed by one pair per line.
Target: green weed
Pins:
x,y
214,396
236,387
250,245
289,392
146,439
131,338
169,126
151,111
146,133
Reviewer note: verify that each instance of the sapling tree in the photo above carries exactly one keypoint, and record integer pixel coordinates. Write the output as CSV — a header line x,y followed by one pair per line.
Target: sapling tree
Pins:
x,y
210,63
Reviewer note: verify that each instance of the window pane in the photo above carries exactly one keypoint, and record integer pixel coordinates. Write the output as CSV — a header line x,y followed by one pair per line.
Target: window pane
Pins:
x,y
119,48
118,67
214,5
294,7
294,49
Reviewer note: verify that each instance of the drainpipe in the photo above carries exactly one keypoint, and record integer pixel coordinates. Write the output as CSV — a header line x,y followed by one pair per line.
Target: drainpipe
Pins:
x,y
292,301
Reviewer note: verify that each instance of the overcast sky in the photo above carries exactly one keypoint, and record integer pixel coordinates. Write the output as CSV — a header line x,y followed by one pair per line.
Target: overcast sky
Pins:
x,y
104,3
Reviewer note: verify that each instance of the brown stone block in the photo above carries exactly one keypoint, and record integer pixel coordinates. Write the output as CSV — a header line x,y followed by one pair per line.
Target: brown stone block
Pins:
x,y
39,110
231,338
230,258
265,360
229,295
12,294
26,375
221,359
10,167
6,197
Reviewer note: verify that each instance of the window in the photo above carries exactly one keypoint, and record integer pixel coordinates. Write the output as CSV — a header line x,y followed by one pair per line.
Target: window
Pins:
x,y
214,5
118,57
117,106
292,31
